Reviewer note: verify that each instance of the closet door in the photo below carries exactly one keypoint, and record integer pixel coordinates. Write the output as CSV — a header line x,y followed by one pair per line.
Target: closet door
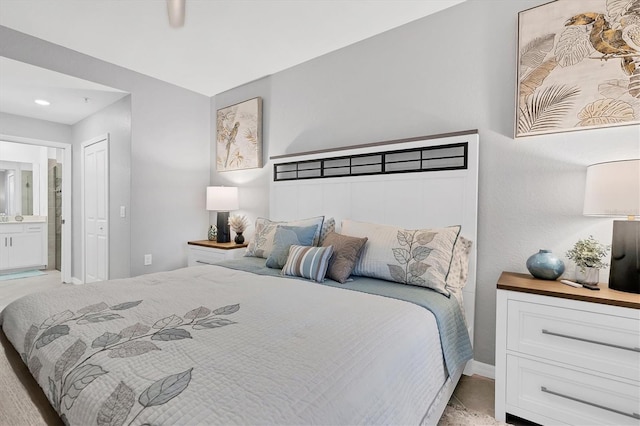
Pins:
x,y
95,178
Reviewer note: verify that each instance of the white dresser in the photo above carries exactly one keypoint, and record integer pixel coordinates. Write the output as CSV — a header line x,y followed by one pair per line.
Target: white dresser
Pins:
x,y
206,252
566,355
22,246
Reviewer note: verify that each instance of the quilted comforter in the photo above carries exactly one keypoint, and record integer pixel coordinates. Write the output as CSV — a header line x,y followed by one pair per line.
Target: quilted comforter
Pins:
x,y
211,345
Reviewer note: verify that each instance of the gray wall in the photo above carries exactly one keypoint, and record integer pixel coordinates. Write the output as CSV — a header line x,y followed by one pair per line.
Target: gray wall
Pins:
x,y
32,128
455,70
115,120
170,146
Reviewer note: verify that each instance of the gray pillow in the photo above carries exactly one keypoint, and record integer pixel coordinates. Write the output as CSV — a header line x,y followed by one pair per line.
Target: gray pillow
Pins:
x,y
346,251
284,238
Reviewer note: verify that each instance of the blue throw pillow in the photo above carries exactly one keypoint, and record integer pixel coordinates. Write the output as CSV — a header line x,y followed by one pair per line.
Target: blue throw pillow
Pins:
x,y
308,262
285,237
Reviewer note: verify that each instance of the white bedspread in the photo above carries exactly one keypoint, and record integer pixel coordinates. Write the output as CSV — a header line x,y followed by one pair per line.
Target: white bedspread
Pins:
x,y
210,345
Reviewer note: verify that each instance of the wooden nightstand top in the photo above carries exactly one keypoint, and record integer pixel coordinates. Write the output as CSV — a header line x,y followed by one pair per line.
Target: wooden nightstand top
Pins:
x,y
214,244
527,284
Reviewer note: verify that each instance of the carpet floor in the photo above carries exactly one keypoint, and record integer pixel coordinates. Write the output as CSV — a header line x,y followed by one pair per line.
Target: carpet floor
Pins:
x,y
455,415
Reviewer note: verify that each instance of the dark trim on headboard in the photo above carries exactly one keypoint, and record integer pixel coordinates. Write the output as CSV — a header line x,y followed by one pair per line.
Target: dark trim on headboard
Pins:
x,y
367,145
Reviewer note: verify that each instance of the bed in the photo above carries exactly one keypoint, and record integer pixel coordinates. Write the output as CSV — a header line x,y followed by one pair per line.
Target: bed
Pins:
x,y
238,343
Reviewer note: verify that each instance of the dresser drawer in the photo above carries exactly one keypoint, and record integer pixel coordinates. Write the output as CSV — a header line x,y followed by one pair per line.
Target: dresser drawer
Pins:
x,y
541,391
200,256
33,227
606,343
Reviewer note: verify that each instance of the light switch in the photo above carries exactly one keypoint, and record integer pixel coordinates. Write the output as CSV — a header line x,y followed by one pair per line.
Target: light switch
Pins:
x,y
123,211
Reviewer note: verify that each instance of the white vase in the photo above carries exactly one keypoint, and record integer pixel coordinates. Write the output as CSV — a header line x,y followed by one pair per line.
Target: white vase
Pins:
x,y
587,275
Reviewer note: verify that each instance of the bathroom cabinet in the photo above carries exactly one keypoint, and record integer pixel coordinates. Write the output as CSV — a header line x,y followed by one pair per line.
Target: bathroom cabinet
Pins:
x,y
22,246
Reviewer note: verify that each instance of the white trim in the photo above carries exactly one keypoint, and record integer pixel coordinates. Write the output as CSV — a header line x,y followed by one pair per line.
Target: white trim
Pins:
x,y
67,185
104,137
76,281
484,370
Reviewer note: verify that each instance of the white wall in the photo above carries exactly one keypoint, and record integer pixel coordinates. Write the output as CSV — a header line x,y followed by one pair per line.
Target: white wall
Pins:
x,y
32,128
116,121
451,71
170,148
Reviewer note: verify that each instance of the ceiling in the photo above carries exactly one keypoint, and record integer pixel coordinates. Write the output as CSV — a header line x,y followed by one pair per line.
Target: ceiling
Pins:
x,y
223,44
72,99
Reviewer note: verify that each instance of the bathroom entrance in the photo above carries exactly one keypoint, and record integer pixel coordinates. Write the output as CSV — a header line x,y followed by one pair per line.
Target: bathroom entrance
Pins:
x,y
55,214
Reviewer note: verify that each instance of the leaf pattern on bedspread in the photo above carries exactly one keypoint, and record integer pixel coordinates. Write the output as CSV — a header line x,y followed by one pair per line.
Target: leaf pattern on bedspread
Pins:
x,y
56,319
98,307
77,380
200,312
131,349
72,372
69,358
51,334
116,408
135,330
105,340
165,389
126,305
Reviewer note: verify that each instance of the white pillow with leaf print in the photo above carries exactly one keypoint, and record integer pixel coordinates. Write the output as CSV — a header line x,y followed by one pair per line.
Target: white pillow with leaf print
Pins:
x,y
420,257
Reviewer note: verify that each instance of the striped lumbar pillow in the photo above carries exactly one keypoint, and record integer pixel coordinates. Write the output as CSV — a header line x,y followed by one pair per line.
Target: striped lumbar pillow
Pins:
x,y
308,262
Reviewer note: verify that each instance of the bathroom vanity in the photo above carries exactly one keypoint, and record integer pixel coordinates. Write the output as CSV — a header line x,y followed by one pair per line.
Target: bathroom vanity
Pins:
x,y
23,245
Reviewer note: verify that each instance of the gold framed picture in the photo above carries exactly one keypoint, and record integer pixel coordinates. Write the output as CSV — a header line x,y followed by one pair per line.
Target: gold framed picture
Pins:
x,y
239,136
578,66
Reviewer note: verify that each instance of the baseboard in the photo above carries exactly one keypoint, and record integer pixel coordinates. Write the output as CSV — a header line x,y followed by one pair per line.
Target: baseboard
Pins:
x,y
76,281
484,370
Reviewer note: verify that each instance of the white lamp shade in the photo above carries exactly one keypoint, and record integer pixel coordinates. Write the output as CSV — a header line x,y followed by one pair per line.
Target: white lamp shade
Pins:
x,y
222,198
613,189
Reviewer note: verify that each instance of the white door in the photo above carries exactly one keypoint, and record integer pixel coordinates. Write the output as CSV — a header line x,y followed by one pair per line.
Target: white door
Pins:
x,y
95,179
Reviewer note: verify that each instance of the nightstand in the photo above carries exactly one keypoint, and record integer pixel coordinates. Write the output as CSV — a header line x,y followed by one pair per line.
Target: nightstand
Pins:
x,y
566,355
207,252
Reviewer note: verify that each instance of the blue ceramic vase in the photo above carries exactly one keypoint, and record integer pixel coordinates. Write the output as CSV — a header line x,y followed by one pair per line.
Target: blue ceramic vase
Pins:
x,y
545,265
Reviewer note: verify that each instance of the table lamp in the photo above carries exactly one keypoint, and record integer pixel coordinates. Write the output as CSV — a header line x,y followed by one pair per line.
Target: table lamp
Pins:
x,y
222,199
613,190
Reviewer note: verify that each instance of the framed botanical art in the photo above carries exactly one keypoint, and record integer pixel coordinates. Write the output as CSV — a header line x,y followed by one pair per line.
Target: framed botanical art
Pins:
x,y
239,136
578,66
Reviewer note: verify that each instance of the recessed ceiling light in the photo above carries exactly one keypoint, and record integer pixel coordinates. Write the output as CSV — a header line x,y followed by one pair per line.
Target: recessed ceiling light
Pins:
x,y
42,102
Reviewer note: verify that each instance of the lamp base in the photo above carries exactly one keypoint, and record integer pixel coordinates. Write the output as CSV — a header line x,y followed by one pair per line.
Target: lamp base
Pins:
x,y
224,233
624,274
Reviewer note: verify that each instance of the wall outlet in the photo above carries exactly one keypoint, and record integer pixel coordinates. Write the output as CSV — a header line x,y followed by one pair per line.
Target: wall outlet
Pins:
x,y
123,211
147,259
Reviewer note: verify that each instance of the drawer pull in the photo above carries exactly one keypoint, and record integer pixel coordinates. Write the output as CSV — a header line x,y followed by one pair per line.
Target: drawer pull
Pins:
x,y
206,263
613,410
566,336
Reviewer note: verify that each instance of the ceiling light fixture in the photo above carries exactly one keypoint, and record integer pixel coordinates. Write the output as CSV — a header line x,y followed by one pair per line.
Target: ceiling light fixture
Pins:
x,y
42,102
175,10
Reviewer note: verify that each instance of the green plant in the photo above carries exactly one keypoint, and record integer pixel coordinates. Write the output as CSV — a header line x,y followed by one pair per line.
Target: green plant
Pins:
x,y
588,253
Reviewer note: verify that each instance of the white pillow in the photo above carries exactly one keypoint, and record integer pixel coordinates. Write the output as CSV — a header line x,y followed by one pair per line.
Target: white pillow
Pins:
x,y
459,270
419,257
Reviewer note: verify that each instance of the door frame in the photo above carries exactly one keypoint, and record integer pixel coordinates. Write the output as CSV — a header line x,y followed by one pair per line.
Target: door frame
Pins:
x,y
67,148
92,141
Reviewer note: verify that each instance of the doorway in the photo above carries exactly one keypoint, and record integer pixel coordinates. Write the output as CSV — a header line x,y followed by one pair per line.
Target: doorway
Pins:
x,y
65,262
